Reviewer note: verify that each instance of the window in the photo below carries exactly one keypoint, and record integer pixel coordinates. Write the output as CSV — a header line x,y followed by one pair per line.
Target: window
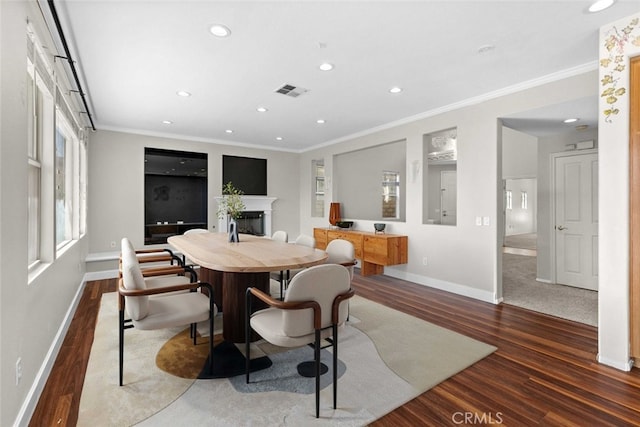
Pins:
x,y
63,193
39,131
82,194
317,197
390,194
57,170
509,196
524,200
34,170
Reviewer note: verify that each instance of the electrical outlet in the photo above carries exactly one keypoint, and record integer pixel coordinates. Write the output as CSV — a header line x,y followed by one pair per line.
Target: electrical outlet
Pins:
x,y
18,370
113,244
424,260
486,221
478,220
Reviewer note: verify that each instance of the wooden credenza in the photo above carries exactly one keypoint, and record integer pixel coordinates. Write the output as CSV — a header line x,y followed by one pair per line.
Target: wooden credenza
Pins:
x,y
372,249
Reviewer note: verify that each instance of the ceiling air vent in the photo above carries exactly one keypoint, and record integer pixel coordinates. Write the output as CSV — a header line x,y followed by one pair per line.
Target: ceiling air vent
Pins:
x,y
291,90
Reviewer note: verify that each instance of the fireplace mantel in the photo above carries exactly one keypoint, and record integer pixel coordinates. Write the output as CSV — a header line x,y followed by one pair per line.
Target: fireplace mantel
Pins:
x,y
252,203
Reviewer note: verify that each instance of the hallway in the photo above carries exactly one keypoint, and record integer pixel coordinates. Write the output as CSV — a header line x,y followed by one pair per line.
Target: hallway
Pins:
x,y
520,287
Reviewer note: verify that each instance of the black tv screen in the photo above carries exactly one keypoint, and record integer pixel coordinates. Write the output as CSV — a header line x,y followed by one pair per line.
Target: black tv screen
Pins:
x,y
246,173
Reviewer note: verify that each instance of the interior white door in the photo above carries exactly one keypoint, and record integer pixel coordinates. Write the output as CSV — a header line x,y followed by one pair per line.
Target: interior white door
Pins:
x,y
576,220
448,196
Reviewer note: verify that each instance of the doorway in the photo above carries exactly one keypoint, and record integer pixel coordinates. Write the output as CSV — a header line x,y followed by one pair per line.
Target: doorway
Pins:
x,y
528,261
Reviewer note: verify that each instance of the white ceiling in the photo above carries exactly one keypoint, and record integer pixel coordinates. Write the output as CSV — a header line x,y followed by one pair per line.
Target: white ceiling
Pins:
x,y
133,56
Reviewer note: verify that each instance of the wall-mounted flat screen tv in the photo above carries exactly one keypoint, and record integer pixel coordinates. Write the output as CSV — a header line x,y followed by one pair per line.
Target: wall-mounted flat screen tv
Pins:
x,y
246,173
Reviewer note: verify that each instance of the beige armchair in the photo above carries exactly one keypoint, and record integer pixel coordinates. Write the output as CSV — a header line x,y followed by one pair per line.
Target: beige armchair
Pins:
x,y
313,309
162,300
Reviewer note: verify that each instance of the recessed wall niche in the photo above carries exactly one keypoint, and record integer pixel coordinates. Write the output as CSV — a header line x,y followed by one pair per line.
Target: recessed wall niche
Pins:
x,y
362,186
175,189
440,177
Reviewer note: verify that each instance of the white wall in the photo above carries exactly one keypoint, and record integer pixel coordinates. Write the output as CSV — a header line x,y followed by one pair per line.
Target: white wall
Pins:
x,y
116,185
31,315
479,188
519,154
613,229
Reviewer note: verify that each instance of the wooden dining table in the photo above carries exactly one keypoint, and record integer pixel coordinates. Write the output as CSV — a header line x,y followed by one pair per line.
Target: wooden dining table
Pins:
x,y
233,267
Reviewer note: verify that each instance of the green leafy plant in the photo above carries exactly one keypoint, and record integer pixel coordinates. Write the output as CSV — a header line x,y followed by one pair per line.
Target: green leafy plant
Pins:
x,y
231,203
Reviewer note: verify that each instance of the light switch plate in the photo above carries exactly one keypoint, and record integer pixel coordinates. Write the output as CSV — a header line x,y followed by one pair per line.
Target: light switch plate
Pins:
x,y
486,221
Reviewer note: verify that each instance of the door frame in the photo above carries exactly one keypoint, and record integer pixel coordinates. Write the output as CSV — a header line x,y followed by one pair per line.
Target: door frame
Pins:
x,y
552,204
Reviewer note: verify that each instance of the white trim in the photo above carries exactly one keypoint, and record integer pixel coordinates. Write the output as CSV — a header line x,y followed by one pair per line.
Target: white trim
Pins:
x,y
479,294
101,275
31,401
622,365
102,256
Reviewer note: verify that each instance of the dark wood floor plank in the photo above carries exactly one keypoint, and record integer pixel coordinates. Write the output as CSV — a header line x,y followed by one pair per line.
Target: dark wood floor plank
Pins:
x,y
544,371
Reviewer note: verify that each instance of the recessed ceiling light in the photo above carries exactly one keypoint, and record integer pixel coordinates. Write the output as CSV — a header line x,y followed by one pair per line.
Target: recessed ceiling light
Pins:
x,y
167,122
395,89
261,110
320,121
570,120
183,93
600,5
325,66
220,30
278,138
229,131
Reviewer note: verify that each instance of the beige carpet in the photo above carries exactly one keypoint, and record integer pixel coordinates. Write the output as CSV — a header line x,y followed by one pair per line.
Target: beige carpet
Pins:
x,y
386,358
520,288
522,241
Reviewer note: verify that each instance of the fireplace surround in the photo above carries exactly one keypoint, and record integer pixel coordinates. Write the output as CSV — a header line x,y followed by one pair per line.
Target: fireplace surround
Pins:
x,y
253,205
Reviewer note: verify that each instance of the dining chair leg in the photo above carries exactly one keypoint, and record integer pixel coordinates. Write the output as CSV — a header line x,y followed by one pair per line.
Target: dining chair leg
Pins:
x,y
247,333
317,359
335,365
211,329
121,347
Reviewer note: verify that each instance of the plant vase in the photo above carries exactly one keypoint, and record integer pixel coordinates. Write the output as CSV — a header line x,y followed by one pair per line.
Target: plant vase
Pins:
x,y
233,231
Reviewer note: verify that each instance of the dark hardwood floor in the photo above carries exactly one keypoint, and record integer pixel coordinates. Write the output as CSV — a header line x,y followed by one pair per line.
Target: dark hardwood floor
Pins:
x,y
543,373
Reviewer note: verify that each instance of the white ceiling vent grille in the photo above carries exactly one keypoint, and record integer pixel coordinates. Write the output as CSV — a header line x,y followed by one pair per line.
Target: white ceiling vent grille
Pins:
x,y
291,90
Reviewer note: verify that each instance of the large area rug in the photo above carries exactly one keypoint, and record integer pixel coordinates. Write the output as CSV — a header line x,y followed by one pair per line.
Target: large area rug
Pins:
x,y
386,359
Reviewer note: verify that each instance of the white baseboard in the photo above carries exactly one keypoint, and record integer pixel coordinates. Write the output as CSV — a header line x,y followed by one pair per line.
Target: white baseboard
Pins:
x,y
622,365
31,401
486,296
101,275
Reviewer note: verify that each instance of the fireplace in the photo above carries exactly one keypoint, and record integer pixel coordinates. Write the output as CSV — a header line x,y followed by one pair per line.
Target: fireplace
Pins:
x,y
251,222
252,204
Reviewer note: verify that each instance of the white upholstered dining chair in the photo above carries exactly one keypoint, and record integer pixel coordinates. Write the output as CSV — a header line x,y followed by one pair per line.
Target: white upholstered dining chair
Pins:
x,y
163,303
341,252
314,307
280,236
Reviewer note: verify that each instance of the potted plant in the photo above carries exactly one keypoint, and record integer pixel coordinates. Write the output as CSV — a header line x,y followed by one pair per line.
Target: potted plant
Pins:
x,y
231,206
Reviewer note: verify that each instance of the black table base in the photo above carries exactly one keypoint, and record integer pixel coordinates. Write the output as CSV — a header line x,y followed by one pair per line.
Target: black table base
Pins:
x,y
229,362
